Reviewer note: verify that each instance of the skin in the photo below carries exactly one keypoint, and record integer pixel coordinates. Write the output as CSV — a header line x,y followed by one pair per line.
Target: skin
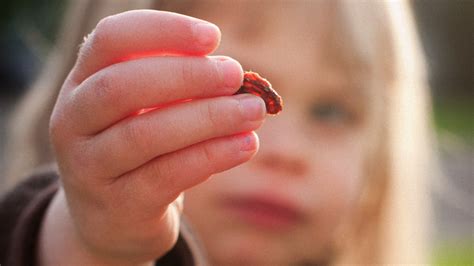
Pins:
x,y
122,174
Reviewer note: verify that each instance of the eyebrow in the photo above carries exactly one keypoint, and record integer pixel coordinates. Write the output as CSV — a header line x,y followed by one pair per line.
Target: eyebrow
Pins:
x,y
252,28
343,82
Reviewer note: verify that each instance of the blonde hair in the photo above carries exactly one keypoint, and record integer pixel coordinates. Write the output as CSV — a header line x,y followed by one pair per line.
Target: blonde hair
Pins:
x,y
391,223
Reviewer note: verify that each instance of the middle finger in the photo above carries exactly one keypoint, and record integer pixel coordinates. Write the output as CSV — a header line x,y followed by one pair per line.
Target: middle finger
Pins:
x,y
121,90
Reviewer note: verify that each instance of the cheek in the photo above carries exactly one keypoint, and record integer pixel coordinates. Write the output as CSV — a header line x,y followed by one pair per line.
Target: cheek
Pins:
x,y
338,175
341,169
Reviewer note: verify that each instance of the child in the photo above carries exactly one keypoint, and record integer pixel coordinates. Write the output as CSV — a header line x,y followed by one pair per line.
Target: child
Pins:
x,y
339,175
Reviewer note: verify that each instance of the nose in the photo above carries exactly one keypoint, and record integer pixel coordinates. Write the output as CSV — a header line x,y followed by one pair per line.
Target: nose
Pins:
x,y
284,148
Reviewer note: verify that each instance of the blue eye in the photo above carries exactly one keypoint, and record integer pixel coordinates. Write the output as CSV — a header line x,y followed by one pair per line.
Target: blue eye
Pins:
x,y
331,113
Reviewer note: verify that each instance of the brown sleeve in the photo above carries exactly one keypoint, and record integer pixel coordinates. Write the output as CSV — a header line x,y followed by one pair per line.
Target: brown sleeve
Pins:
x,y
21,215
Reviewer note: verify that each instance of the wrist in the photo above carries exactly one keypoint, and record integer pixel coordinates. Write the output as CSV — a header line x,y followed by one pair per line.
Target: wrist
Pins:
x,y
60,244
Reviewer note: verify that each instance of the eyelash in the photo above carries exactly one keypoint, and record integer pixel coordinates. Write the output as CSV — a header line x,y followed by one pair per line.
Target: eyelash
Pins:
x,y
331,113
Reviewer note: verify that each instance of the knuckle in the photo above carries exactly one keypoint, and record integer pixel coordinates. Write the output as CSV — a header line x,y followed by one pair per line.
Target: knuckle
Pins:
x,y
134,135
131,134
101,34
89,158
188,71
208,154
216,73
160,169
211,113
97,40
103,87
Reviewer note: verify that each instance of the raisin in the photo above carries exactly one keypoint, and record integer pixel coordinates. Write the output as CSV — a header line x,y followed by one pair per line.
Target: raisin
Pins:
x,y
256,85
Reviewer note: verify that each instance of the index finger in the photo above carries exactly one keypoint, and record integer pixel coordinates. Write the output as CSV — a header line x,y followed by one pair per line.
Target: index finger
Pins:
x,y
140,33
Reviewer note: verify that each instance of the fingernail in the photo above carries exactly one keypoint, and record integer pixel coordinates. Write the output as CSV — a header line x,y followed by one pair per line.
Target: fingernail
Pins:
x,y
206,34
231,72
251,107
249,142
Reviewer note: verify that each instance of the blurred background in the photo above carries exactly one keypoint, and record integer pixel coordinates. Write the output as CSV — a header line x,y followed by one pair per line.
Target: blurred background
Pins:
x,y
28,29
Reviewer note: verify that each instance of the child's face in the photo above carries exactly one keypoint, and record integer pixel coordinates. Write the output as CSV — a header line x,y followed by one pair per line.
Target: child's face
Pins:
x,y
286,203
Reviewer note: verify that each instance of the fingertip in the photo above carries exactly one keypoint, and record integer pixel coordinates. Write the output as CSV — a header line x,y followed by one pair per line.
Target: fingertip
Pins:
x,y
207,35
231,72
249,142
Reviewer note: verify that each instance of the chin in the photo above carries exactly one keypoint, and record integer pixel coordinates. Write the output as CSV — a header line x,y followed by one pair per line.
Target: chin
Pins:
x,y
245,249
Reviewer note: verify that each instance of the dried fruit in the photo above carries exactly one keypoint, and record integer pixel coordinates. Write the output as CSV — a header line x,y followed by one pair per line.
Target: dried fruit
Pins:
x,y
256,85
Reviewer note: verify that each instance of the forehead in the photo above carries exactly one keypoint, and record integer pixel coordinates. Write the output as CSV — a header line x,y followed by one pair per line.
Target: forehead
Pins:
x,y
282,37
262,25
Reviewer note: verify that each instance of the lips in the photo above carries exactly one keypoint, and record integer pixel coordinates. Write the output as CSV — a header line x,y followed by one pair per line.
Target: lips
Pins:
x,y
264,212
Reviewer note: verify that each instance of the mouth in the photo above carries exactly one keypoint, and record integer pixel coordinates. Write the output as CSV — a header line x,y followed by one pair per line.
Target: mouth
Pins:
x,y
268,213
